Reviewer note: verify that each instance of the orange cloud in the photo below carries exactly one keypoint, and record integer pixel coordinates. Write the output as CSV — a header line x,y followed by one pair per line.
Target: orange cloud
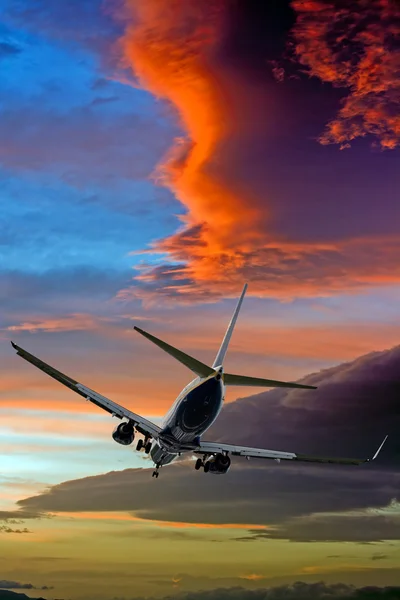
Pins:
x,y
73,322
176,50
120,516
170,46
276,269
353,45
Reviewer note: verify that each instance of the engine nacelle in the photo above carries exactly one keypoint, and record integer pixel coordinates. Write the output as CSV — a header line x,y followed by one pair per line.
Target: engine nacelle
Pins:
x,y
124,434
219,464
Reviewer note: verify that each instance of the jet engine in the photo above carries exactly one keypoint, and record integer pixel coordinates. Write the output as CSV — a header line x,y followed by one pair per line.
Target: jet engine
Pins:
x,y
124,434
218,464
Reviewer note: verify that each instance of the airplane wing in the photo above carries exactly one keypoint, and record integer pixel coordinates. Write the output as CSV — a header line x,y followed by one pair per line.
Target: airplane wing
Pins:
x,y
143,425
212,448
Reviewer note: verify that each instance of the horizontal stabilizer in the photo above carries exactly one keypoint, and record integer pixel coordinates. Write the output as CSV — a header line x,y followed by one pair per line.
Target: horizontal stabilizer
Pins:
x,y
192,363
259,382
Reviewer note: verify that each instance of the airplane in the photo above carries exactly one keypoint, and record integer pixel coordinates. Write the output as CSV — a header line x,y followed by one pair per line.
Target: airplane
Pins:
x,y
194,411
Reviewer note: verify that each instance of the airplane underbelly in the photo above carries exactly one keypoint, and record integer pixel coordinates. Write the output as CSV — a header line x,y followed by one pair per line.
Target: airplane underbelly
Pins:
x,y
161,456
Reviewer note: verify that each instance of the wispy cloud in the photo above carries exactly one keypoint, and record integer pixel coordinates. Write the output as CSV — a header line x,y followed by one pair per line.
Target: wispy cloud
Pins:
x,y
74,322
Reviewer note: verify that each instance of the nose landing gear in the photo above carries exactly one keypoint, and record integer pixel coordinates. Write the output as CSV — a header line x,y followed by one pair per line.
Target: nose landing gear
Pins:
x,y
156,472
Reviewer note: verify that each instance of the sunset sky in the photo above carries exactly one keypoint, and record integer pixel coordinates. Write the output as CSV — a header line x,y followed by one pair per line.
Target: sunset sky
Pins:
x,y
154,156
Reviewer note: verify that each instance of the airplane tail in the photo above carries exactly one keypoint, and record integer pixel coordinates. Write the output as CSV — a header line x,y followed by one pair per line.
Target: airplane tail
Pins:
x,y
204,371
219,359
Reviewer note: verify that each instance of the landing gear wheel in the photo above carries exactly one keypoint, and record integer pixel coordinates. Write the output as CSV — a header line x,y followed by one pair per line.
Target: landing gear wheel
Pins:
x,y
206,467
155,474
139,445
199,464
147,447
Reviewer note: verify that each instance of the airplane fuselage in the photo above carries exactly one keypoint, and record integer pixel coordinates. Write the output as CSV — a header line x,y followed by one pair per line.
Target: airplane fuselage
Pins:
x,y
193,412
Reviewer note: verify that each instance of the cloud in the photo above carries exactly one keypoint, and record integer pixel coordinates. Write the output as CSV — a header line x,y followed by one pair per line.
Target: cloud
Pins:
x,y
84,23
74,322
19,516
242,170
7,49
40,292
354,46
82,145
6,529
279,270
16,585
355,405
360,528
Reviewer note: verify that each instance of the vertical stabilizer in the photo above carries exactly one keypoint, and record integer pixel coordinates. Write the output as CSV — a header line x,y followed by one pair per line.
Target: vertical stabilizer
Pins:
x,y
219,359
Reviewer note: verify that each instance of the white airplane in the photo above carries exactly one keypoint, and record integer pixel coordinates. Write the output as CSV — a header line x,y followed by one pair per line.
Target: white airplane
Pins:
x,y
194,411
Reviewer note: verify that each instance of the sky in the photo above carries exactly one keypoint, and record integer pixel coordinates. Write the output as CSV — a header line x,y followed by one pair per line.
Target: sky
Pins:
x,y
154,156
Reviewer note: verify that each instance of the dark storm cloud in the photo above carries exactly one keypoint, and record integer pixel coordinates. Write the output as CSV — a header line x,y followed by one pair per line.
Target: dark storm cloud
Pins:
x,y
355,405
322,528
14,516
188,496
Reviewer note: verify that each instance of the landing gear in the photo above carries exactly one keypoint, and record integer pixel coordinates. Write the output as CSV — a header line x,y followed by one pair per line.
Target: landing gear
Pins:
x,y
156,472
146,444
203,463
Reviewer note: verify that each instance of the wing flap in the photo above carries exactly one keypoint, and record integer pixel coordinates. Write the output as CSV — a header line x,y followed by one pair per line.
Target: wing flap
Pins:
x,y
143,425
230,379
215,447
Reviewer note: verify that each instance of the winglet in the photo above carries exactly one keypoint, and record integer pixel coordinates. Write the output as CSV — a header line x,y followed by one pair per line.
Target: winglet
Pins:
x,y
379,449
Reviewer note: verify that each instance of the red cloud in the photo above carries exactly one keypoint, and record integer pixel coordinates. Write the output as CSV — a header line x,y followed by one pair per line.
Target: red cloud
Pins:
x,y
354,45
